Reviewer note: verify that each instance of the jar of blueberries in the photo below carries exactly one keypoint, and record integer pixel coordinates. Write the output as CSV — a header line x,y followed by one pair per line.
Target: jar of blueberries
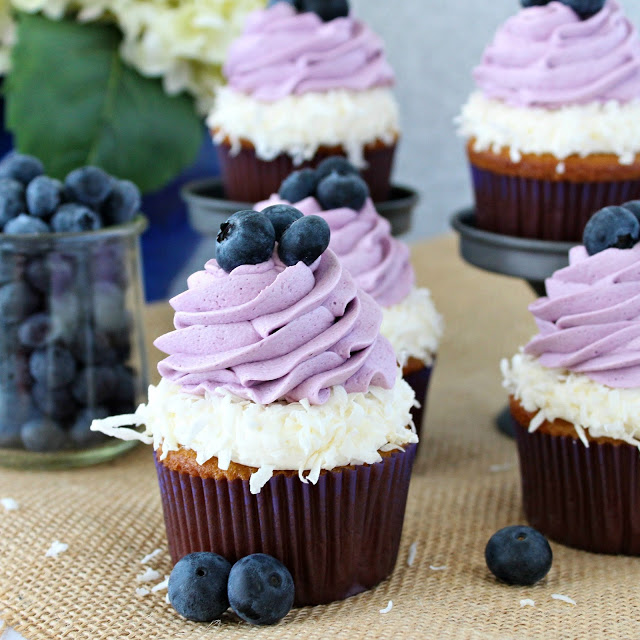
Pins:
x,y
71,332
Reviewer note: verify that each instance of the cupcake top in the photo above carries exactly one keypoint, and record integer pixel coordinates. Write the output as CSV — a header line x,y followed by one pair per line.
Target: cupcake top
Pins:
x,y
584,365
283,53
547,56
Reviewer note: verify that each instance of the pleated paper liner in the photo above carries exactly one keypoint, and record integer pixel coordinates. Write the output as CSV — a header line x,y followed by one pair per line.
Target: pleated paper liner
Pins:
x,y
543,209
338,537
419,380
247,178
583,497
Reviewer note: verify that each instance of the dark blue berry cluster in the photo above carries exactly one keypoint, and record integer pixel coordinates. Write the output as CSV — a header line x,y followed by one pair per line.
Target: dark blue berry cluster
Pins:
x,y
326,9
613,228
518,555
584,8
249,237
89,198
258,588
334,183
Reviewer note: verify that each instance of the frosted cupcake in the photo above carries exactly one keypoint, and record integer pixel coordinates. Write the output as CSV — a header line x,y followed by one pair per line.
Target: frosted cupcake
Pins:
x,y
301,87
552,129
281,424
379,263
575,395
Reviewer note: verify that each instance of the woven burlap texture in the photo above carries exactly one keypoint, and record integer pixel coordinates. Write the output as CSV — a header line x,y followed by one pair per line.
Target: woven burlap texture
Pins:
x,y
464,488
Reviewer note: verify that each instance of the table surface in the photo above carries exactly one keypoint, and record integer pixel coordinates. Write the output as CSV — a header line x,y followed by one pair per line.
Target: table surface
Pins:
x,y
464,488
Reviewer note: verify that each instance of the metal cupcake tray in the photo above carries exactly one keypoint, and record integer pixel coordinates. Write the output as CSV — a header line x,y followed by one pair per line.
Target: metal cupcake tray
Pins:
x,y
208,207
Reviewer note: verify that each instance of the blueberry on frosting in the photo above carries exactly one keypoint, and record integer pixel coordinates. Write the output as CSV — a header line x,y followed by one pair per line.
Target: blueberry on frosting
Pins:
x,y
247,237
304,241
336,191
282,216
634,207
339,164
583,8
611,228
326,9
299,185
534,3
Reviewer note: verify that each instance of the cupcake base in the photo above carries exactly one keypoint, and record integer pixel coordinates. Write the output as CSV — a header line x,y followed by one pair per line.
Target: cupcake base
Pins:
x,y
531,199
418,375
584,497
338,537
247,178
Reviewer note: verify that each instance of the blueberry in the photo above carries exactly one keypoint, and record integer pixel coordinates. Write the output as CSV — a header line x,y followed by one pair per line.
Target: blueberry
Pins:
x,y
585,8
52,272
612,227
336,191
74,218
272,3
9,270
198,586
93,348
17,301
122,204
88,185
121,342
123,398
518,555
305,240
247,237
94,385
80,432
634,207
44,196
282,217
337,164
534,3
326,9
299,185
109,263
16,409
43,434
261,589
25,224
109,310
66,313
14,370
20,167
52,367
57,404
37,331
12,202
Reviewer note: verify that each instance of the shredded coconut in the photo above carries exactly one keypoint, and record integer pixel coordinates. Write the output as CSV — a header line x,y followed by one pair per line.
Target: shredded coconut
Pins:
x,y
56,549
151,556
413,327
497,468
166,598
149,575
527,603
413,551
558,394
572,130
350,428
161,586
435,568
9,504
351,119
141,592
567,599
388,607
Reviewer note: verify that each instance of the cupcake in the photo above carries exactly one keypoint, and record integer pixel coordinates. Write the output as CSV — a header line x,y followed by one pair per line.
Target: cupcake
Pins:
x,y
379,263
552,128
302,86
281,424
575,395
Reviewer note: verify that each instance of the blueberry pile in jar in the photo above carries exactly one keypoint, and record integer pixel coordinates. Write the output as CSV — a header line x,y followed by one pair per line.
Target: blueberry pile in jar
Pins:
x,y
65,330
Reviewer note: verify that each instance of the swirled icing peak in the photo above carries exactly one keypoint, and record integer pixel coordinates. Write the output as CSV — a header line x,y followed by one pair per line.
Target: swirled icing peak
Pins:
x,y
379,263
590,319
546,56
268,332
283,53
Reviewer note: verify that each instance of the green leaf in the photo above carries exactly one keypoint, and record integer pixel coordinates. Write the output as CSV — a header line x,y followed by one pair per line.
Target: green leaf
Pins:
x,y
72,101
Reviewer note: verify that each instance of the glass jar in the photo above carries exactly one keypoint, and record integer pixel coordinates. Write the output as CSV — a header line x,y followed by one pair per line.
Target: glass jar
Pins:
x,y
71,343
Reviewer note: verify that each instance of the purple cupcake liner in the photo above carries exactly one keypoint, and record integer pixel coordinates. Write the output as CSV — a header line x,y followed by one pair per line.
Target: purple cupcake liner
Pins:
x,y
584,497
246,178
338,537
419,382
543,209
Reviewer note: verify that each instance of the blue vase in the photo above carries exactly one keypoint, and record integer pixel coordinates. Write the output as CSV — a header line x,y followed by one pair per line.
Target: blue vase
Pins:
x,y
170,241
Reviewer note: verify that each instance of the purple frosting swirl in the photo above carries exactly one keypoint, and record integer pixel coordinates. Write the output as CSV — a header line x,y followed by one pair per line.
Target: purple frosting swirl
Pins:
x,y
268,332
378,262
590,320
282,53
547,57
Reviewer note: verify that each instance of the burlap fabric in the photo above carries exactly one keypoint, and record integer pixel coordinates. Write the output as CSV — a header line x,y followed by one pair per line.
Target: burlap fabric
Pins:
x,y
465,487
